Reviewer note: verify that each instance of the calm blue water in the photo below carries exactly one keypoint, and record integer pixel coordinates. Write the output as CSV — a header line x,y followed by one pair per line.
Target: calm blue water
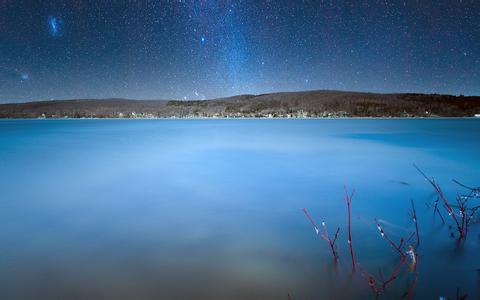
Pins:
x,y
211,209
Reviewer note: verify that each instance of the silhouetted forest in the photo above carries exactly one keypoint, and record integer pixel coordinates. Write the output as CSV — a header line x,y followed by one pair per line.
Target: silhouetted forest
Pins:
x,y
290,104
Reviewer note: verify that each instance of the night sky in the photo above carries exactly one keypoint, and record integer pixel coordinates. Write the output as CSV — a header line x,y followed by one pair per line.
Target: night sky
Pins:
x,y
205,49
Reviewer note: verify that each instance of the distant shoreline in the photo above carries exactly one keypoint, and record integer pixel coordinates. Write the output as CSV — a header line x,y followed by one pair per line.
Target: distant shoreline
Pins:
x,y
289,105
251,118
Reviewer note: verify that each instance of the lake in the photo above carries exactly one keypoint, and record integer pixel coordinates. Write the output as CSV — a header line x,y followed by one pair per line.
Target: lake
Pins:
x,y
212,209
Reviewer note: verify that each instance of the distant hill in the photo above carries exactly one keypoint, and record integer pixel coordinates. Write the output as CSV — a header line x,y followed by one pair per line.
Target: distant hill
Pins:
x,y
290,104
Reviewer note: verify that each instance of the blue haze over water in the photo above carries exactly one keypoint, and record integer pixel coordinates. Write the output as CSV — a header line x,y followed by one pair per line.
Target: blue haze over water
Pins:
x,y
211,209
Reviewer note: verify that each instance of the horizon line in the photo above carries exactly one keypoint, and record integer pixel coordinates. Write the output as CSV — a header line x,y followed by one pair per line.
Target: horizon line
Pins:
x,y
239,95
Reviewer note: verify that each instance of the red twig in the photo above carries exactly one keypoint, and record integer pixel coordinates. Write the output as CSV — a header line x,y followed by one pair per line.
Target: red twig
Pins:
x,y
379,288
325,235
332,242
397,247
472,214
407,241
437,210
473,189
445,202
414,219
394,273
311,221
409,292
348,198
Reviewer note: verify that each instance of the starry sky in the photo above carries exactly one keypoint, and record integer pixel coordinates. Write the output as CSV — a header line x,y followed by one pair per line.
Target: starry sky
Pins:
x,y
205,49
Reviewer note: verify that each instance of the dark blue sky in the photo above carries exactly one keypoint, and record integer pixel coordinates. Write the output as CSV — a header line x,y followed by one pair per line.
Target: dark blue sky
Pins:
x,y
204,49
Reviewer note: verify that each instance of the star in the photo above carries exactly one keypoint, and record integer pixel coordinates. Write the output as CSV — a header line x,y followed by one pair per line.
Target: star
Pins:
x,y
169,49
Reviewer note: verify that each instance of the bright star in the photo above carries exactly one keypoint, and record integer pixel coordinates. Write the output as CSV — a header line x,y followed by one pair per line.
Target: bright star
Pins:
x,y
24,77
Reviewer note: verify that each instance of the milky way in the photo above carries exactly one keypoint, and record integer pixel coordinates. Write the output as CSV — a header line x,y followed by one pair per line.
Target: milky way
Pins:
x,y
205,49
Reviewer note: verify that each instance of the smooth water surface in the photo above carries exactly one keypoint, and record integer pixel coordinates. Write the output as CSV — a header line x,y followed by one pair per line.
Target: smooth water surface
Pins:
x,y
212,209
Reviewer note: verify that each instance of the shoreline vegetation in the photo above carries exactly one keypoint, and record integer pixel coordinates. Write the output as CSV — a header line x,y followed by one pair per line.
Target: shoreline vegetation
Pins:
x,y
458,216
288,105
